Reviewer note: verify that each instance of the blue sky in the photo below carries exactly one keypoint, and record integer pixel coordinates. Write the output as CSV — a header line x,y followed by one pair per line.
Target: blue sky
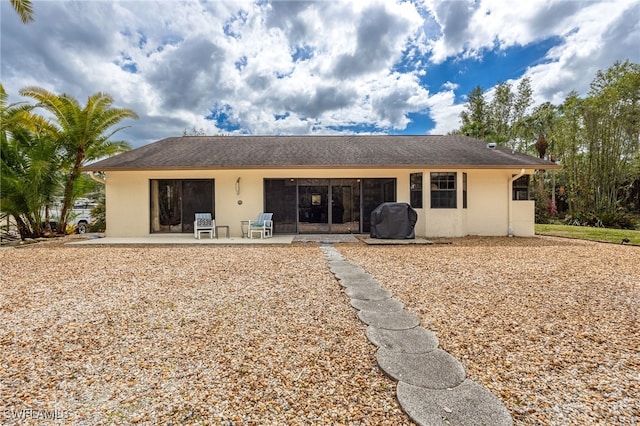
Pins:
x,y
330,67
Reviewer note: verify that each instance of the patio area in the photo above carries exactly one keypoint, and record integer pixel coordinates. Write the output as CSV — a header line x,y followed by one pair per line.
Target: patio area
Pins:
x,y
96,239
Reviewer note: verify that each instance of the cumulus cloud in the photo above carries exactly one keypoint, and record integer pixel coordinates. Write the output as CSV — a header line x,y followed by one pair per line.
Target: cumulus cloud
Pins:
x,y
297,67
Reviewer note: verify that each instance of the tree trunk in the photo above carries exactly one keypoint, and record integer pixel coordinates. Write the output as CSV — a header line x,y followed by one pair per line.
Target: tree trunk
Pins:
x,y
47,220
23,229
68,193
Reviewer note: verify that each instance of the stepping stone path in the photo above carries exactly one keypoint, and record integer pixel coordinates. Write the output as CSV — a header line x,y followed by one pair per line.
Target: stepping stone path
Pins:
x,y
433,388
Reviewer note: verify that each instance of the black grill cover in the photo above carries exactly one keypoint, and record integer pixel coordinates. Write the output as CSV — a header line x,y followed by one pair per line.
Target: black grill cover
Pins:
x,y
393,221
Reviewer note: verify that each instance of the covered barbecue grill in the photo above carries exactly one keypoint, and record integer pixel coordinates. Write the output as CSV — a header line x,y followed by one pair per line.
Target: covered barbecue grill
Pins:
x,y
393,221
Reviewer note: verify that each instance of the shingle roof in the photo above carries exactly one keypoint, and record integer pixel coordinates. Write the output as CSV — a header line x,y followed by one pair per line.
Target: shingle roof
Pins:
x,y
377,151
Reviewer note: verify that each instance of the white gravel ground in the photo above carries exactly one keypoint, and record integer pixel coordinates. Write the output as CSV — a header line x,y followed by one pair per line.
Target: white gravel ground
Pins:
x,y
264,335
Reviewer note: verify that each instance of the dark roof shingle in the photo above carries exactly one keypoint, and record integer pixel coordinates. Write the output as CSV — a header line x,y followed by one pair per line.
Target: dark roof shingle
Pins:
x,y
220,152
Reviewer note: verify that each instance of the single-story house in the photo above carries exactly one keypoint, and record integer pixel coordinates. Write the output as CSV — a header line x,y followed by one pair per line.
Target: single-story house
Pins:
x,y
320,184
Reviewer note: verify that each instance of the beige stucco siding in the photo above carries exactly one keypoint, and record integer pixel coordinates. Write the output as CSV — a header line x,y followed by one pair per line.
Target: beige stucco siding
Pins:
x,y
127,204
128,201
523,219
488,199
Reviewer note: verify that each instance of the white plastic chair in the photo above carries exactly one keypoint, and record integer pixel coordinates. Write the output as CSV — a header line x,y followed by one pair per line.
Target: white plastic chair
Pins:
x,y
204,223
264,225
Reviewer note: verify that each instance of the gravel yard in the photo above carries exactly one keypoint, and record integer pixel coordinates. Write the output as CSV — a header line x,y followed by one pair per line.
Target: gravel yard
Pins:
x,y
242,335
550,326
264,334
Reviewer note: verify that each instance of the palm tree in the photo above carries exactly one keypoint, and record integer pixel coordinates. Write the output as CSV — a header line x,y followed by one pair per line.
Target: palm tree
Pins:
x,y
29,166
83,133
24,9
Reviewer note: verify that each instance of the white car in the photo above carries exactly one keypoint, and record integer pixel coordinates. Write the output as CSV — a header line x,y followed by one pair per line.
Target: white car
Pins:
x,y
80,216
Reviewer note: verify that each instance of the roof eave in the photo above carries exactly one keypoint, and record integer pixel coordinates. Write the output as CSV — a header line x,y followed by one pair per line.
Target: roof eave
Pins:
x,y
89,168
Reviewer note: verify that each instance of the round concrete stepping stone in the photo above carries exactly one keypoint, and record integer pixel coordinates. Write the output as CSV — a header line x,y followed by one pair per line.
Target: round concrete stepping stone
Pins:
x,y
331,253
360,283
334,257
415,340
364,293
352,275
396,320
433,370
347,270
466,404
386,305
343,265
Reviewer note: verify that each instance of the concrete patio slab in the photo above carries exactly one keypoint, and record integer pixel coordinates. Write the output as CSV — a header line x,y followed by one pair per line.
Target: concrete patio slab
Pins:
x,y
415,340
184,239
433,370
383,241
325,238
468,404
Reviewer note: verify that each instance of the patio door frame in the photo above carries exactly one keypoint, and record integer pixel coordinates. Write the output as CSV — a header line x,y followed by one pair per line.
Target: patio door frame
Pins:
x,y
282,198
330,205
174,202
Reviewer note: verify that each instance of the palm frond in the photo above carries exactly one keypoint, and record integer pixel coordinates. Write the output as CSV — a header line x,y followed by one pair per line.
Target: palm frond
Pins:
x,y
24,9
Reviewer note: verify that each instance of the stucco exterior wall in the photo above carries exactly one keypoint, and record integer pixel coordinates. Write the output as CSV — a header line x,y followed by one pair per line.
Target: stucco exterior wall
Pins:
x,y
128,199
523,218
488,199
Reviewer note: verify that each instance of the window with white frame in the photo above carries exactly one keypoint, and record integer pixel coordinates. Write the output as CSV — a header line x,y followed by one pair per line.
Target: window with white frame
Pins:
x,y
443,190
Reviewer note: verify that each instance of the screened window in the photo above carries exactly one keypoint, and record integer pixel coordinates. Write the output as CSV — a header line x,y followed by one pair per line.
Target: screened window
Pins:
x,y
415,182
443,190
521,188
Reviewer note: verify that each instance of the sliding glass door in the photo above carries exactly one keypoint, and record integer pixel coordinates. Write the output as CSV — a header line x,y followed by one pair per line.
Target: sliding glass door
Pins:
x,y
323,206
174,203
345,206
313,206
280,198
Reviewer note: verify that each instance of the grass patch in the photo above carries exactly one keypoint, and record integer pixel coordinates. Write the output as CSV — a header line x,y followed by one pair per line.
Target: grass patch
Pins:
x,y
589,233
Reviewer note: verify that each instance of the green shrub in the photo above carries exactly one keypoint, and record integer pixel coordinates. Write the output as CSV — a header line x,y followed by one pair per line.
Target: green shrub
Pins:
x,y
617,220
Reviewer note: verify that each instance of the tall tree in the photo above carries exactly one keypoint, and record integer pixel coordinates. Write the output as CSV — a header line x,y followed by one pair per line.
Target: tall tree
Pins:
x,y
24,8
570,150
475,120
500,118
612,131
540,126
83,133
598,139
29,166
500,111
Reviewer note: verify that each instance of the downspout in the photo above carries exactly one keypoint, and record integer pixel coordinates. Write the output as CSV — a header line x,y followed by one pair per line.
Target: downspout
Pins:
x,y
96,178
510,199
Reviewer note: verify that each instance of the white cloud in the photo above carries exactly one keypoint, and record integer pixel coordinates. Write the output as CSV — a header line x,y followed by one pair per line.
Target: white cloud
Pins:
x,y
590,37
299,67
444,112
